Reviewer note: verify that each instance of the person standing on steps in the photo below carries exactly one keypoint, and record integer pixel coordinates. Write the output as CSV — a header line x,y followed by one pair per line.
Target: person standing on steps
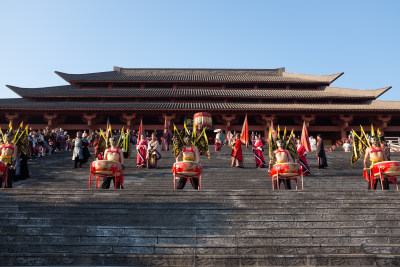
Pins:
x,y
375,155
189,153
9,156
141,149
77,154
153,152
114,153
281,155
322,161
258,152
237,157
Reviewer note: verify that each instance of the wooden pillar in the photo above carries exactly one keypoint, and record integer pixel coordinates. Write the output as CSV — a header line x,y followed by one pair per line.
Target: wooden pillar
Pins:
x,y
50,119
169,118
384,120
267,123
308,119
128,118
344,125
89,118
11,116
228,120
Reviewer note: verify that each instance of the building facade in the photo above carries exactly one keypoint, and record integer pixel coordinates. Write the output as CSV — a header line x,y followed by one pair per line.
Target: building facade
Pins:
x,y
127,95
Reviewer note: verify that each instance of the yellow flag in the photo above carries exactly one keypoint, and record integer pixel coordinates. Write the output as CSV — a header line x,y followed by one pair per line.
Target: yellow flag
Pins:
x,y
372,130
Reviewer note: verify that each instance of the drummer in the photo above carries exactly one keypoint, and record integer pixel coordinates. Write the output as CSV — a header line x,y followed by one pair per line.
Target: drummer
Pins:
x,y
375,154
8,155
189,153
281,155
114,153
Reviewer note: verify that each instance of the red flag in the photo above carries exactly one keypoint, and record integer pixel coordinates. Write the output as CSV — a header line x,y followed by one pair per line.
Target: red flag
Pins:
x,y
244,137
165,122
140,132
305,141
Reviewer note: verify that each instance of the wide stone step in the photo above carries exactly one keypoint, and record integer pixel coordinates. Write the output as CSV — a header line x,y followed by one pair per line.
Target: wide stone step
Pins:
x,y
151,240
216,230
15,259
208,249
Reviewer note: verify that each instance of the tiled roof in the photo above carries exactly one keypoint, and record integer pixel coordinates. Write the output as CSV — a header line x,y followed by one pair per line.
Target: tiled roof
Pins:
x,y
199,75
73,91
19,104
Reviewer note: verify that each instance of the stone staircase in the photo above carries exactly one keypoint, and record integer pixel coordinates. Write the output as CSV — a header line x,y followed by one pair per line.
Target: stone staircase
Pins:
x,y
53,219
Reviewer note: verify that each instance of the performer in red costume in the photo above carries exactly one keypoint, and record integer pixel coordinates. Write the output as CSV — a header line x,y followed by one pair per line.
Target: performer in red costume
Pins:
x,y
8,156
258,152
301,150
281,155
375,154
189,153
237,158
141,148
114,153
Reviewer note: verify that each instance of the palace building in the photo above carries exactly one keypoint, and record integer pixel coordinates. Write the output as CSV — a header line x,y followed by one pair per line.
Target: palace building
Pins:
x,y
127,95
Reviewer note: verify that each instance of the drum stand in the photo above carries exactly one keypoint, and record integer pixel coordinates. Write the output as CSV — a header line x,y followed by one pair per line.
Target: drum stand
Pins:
x,y
5,175
115,168
276,178
381,177
174,184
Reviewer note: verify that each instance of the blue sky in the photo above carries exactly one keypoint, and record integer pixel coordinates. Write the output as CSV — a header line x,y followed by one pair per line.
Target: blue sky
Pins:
x,y
359,38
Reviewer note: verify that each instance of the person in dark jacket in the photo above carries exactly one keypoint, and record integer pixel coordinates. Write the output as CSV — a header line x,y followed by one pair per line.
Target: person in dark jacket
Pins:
x,y
322,161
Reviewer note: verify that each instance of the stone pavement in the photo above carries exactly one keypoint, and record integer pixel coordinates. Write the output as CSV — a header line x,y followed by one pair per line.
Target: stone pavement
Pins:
x,y
53,219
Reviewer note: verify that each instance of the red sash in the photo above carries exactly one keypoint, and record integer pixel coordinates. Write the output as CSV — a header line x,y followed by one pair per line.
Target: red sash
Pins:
x,y
7,146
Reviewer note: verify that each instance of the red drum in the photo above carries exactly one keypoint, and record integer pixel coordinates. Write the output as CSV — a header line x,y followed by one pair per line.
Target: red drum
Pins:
x,y
187,169
286,170
387,168
106,168
203,118
2,168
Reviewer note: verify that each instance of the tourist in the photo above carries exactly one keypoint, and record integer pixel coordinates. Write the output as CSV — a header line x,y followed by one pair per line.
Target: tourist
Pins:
x,y
230,138
85,148
375,155
313,143
77,154
301,150
189,153
114,153
252,137
153,152
281,155
8,156
222,137
237,158
165,139
258,152
346,146
322,161
141,149
218,142
385,147
21,166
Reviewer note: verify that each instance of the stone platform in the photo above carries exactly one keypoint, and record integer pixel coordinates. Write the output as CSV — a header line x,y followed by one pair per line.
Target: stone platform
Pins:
x,y
53,219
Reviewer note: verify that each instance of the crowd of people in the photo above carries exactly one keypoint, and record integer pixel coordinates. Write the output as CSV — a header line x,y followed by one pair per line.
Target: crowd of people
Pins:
x,y
45,142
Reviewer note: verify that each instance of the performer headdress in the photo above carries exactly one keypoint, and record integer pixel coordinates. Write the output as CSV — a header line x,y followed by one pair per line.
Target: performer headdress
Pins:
x,y
187,140
8,137
280,143
113,141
